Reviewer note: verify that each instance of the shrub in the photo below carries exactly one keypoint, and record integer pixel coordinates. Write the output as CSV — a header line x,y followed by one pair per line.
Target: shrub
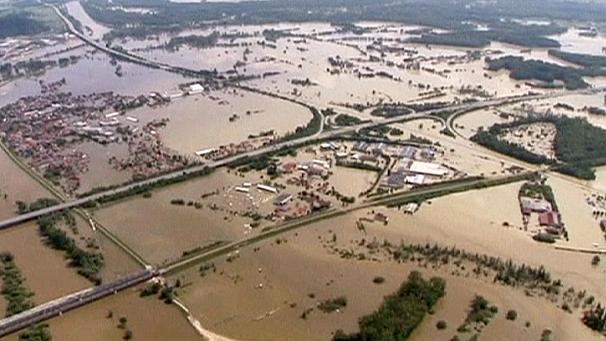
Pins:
x,y
441,325
378,280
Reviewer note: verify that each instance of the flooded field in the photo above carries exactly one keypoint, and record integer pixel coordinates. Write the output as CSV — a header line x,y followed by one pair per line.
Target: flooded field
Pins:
x,y
94,73
207,121
147,319
40,265
16,185
160,231
583,228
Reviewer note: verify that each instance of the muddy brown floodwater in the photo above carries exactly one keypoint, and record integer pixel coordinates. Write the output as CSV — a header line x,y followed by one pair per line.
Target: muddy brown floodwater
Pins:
x,y
40,265
269,285
16,185
148,318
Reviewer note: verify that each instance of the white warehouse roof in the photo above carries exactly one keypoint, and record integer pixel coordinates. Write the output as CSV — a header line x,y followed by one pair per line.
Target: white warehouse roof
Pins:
x,y
427,168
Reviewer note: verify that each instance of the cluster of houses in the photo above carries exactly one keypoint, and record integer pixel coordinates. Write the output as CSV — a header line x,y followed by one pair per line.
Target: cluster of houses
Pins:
x,y
47,129
549,218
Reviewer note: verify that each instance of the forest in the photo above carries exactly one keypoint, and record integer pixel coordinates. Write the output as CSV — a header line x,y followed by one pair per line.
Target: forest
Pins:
x,y
578,144
19,24
521,69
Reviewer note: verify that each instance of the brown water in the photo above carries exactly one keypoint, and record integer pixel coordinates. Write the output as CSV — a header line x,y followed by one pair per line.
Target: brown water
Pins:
x,y
148,319
16,185
251,297
40,265
199,122
159,231
75,9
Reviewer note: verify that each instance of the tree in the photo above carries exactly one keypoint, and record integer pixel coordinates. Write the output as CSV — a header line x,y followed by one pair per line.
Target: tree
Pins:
x,y
441,325
596,260
512,315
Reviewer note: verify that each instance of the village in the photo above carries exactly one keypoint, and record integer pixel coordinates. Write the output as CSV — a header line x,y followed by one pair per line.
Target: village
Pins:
x,y
47,130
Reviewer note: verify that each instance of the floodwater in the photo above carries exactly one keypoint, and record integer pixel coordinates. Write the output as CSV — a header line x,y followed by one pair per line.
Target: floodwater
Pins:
x,y
117,262
572,42
75,9
148,318
16,185
94,73
583,230
199,122
39,264
352,182
255,295
160,232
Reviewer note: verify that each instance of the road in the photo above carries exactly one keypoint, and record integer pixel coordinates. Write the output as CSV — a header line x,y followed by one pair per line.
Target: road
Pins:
x,y
122,55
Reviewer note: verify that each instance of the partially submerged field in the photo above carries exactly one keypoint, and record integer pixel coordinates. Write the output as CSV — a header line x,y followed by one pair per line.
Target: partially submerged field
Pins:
x,y
160,231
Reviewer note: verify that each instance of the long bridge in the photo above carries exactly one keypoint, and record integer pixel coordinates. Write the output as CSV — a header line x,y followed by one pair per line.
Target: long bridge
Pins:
x,y
61,305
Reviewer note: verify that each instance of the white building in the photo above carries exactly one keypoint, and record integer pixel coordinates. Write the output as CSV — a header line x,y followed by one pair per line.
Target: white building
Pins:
x,y
427,168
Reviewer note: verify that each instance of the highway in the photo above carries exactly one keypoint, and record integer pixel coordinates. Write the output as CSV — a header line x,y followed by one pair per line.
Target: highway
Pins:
x,y
122,55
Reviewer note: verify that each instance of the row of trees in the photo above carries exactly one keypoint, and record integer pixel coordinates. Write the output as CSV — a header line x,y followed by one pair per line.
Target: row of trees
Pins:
x,y
88,263
581,59
19,297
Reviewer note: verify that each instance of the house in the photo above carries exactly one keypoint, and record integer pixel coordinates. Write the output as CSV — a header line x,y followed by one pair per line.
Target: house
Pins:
x,y
267,188
417,179
381,218
408,153
395,180
288,167
283,199
551,220
360,147
195,89
411,208
530,205
317,170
